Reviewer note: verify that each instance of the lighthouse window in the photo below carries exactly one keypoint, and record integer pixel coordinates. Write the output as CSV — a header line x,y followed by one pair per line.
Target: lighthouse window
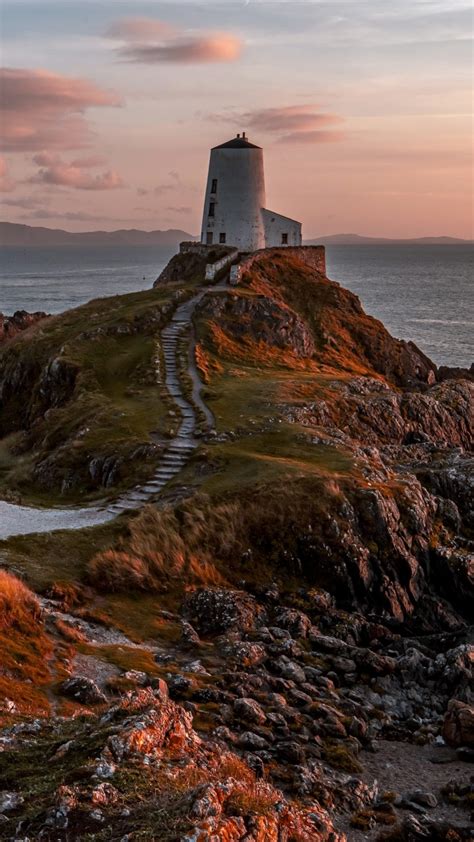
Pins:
x,y
222,238
214,185
284,239
212,208
209,238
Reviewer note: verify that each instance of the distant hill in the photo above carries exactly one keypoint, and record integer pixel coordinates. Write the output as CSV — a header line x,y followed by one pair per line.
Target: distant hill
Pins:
x,y
357,239
12,234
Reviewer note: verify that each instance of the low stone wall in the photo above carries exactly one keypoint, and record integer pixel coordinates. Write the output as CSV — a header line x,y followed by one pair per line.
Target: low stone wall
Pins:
x,y
213,269
312,256
192,247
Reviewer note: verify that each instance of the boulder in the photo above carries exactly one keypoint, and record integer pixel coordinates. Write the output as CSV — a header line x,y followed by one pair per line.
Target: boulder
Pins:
x,y
458,725
82,690
249,710
217,610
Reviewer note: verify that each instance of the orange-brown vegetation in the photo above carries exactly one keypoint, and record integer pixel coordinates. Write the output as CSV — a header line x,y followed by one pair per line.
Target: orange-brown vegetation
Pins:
x,y
257,351
25,648
18,605
199,541
206,363
163,547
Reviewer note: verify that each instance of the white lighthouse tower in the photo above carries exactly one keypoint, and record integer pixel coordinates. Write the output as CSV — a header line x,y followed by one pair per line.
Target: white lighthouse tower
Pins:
x,y
234,204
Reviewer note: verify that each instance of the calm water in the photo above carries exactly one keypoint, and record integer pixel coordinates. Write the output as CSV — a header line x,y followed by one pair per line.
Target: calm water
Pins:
x,y
423,293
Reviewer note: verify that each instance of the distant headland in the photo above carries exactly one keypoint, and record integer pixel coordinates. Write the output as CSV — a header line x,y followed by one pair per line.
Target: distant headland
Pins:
x,y
14,234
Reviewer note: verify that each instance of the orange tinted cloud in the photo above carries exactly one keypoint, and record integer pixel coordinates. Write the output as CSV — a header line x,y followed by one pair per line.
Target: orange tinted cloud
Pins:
x,y
139,29
73,174
150,41
42,109
192,50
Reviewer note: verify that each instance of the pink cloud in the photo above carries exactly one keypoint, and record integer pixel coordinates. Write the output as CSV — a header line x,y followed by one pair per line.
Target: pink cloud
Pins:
x,y
151,41
295,118
318,136
6,183
139,29
40,109
196,50
26,202
293,123
74,174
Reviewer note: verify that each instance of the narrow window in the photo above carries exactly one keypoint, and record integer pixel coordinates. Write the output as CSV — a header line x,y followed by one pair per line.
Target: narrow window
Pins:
x,y
209,238
214,185
222,238
212,208
284,239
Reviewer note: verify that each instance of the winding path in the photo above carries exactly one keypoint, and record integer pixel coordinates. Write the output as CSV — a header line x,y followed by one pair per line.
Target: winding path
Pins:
x,y
23,520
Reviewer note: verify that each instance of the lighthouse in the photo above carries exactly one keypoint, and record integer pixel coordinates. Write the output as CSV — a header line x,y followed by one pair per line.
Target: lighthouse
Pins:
x,y
234,205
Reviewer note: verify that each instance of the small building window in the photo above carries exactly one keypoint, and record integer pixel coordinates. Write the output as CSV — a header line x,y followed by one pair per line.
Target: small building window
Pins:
x,y
209,238
214,185
284,239
212,208
222,238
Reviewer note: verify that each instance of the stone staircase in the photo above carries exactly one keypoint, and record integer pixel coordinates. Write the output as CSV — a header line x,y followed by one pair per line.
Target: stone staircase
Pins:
x,y
185,441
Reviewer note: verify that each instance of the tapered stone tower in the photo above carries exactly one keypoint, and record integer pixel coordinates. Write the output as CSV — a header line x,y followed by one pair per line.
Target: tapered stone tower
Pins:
x,y
234,204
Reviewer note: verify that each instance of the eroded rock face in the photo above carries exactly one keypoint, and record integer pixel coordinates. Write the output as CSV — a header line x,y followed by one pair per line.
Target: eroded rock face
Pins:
x,y
260,319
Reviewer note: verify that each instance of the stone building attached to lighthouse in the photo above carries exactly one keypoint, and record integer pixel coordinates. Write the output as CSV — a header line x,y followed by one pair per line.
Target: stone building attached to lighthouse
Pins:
x,y
234,205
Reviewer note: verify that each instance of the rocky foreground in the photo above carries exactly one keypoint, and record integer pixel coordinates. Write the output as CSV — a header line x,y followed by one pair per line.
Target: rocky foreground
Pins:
x,y
279,647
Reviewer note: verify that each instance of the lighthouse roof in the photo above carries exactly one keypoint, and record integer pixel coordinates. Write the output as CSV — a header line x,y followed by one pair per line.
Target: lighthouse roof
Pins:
x,y
239,142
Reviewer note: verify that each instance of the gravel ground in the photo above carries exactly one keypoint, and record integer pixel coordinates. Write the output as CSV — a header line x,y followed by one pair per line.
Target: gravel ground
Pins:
x,y
402,768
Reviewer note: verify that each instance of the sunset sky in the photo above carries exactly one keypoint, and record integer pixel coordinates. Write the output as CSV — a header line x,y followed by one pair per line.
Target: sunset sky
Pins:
x,y
363,108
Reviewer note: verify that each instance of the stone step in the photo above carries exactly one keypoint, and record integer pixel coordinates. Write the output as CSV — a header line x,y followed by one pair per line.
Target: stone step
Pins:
x,y
172,456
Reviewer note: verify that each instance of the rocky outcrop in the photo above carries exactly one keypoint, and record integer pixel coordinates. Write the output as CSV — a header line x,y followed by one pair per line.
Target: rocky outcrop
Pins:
x,y
179,785
10,326
345,337
259,320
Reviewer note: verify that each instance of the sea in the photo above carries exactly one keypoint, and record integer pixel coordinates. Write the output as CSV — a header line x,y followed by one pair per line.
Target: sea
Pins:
x,y
420,292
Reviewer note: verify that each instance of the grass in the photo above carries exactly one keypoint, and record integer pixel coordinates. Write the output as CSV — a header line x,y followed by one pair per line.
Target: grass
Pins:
x,y
103,400
57,557
124,657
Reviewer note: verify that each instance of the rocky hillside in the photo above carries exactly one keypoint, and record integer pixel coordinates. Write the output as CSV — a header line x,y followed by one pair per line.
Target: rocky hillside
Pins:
x,y
279,646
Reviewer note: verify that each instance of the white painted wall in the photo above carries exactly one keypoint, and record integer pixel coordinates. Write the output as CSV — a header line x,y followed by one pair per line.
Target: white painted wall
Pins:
x,y
276,225
239,198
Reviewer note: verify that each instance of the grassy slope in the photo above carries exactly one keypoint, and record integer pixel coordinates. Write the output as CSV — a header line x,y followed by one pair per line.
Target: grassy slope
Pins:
x,y
115,404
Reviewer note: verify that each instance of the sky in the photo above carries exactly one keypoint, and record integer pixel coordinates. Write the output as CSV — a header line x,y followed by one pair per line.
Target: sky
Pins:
x,y
363,108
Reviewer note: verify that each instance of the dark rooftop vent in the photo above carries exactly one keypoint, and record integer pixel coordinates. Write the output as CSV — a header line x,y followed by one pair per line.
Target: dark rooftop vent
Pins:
x,y
239,142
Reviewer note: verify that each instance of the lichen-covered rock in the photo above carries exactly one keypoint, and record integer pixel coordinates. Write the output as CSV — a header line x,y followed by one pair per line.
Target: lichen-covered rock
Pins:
x,y
153,725
83,690
216,610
